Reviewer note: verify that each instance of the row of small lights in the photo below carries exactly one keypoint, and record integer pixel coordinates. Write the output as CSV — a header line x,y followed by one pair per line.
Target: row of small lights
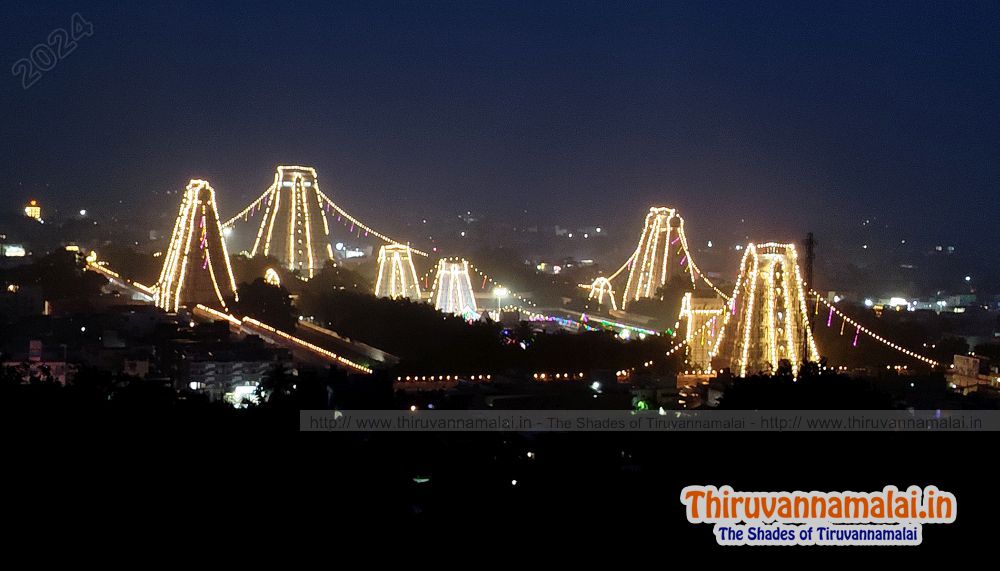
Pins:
x,y
557,376
500,286
309,346
484,377
300,342
874,335
368,229
421,378
101,268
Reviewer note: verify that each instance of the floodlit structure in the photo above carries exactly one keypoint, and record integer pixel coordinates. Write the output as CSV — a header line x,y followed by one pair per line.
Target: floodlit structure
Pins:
x,y
196,266
701,318
453,288
33,210
601,289
296,220
660,256
271,277
294,228
766,320
396,275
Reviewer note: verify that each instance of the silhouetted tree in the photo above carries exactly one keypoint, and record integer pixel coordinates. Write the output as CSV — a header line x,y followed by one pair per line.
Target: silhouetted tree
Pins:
x,y
267,303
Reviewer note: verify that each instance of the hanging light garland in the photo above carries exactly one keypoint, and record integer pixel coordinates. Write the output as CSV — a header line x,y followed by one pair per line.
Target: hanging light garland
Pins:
x,y
859,329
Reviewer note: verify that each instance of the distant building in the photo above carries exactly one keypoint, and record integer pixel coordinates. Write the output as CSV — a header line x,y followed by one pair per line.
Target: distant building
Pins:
x,y
12,251
971,374
41,364
33,210
226,370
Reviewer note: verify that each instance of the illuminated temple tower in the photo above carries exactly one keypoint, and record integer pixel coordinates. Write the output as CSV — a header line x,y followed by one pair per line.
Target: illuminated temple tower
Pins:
x,y
454,288
294,228
396,275
766,321
196,265
701,319
660,255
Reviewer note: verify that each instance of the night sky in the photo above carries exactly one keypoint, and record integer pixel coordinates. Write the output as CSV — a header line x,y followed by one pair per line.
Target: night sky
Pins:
x,y
789,117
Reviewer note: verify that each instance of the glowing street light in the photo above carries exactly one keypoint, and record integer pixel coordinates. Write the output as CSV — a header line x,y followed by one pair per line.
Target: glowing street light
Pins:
x,y
500,293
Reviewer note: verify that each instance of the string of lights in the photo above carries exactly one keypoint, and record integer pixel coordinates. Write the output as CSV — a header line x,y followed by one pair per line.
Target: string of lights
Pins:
x,y
222,316
487,278
862,329
307,345
357,224
439,378
249,210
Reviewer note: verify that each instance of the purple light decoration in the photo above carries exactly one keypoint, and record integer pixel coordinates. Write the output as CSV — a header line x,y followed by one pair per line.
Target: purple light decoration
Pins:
x,y
352,227
856,334
204,264
829,318
684,259
734,304
677,239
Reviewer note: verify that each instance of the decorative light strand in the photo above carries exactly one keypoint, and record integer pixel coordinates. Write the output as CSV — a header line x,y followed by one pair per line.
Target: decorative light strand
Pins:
x,y
862,329
307,345
365,227
499,285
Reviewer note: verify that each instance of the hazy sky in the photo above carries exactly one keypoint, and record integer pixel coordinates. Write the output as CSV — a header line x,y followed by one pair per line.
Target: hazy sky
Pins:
x,y
791,116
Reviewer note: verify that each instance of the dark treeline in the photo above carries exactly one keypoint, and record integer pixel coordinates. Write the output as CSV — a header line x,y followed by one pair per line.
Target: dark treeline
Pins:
x,y
429,342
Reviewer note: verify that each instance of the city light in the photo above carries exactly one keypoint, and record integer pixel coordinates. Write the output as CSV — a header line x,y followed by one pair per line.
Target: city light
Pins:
x,y
33,210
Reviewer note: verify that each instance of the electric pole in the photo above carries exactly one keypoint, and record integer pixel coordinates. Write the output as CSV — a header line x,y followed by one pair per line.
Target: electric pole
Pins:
x,y
810,248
